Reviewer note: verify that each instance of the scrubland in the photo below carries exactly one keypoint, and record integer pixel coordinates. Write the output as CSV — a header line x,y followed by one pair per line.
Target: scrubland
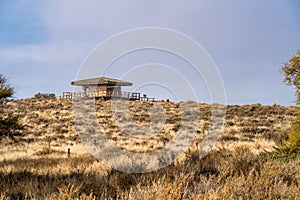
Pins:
x,y
241,164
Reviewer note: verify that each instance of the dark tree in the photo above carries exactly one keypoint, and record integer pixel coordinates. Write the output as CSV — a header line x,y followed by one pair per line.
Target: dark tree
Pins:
x,y
9,123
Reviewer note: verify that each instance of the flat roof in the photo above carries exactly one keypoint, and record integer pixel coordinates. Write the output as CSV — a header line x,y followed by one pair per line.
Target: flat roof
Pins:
x,y
101,81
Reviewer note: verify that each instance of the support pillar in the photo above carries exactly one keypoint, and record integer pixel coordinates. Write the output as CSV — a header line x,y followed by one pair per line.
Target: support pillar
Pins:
x,y
84,91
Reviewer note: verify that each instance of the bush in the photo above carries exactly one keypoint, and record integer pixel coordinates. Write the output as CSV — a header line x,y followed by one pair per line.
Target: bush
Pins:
x,y
9,123
291,71
9,126
291,147
44,96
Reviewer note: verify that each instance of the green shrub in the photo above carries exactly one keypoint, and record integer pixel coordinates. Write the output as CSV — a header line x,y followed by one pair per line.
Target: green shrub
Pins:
x,y
44,96
9,123
291,71
291,147
10,126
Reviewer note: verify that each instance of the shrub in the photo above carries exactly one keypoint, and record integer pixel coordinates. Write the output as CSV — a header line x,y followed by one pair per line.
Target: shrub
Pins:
x,y
291,147
44,96
9,124
291,71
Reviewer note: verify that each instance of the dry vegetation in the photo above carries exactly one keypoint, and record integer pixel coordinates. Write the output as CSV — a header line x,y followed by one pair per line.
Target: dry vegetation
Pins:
x,y
37,165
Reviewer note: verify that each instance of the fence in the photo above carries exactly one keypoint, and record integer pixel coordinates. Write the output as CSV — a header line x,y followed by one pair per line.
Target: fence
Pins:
x,y
102,94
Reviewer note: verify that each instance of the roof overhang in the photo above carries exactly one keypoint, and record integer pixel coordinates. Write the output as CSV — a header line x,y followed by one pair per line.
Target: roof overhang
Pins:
x,y
101,81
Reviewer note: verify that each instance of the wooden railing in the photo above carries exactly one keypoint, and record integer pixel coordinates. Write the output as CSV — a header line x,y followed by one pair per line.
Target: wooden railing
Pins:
x,y
102,94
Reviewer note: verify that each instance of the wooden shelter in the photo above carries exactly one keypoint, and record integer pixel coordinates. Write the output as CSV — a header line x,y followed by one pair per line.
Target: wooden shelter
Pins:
x,y
102,87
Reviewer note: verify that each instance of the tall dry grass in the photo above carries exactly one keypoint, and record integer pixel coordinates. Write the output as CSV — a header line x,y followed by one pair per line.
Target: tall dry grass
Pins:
x,y
222,174
37,166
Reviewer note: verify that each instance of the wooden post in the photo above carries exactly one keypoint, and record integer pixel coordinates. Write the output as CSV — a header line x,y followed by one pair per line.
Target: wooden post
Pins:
x,y
84,90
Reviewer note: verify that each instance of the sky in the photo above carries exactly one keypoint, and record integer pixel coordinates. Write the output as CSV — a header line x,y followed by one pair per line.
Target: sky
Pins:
x,y
44,43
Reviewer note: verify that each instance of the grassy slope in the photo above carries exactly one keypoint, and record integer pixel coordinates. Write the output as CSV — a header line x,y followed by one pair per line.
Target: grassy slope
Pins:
x,y
38,166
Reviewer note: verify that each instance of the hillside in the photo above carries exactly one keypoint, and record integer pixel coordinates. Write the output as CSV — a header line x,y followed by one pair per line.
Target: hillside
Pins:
x,y
37,166
51,122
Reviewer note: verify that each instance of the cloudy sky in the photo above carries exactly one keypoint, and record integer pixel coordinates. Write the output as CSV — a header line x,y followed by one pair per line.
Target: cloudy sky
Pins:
x,y
44,43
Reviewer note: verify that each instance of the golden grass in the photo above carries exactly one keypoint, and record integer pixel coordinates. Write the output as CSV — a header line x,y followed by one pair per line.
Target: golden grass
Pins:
x,y
222,174
38,166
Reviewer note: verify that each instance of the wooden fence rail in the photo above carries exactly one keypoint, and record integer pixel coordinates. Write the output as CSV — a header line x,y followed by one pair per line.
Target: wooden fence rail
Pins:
x,y
102,94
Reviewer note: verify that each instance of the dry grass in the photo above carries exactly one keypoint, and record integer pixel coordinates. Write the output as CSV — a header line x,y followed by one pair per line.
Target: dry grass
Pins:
x,y
222,174
38,167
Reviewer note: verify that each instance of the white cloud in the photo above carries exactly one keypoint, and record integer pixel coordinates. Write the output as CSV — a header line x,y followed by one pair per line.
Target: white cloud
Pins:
x,y
50,52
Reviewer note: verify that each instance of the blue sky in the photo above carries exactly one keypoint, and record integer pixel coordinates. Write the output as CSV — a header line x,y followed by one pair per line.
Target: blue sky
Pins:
x,y
43,43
